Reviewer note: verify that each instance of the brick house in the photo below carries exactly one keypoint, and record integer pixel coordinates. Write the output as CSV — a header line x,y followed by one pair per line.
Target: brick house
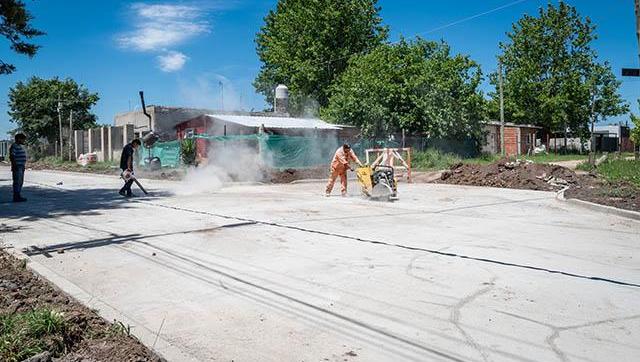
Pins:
x,y
519,139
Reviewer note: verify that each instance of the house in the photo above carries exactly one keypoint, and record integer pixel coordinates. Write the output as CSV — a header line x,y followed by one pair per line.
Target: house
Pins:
x,y
612,138
207,126
251,123
163,119
519,139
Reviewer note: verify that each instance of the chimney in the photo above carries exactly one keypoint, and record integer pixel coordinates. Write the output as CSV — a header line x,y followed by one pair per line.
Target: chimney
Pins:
x,y
281,105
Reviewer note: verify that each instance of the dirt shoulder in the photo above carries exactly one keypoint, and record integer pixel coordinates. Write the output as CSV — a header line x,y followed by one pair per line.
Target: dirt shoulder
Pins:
x,y
545,177
40,322
276,176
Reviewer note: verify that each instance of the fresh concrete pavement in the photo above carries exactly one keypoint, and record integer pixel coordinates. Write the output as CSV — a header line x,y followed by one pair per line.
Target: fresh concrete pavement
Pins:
x,y
280,273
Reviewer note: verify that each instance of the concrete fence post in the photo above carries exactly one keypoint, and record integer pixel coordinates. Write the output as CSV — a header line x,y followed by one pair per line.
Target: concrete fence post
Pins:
x,y
110,143
104,144
127,133
90,140
77,143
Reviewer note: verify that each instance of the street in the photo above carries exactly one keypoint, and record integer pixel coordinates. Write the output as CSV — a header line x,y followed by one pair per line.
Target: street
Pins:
x,y
282,273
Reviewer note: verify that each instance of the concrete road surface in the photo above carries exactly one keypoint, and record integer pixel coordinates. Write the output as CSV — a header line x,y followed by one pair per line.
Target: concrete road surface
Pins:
x,y
281,273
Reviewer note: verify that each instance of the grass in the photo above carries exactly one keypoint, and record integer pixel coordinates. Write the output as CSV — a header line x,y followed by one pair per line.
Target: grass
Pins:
x,y
59,163
551,157
621,170
23,335
433,159
118,329
616,170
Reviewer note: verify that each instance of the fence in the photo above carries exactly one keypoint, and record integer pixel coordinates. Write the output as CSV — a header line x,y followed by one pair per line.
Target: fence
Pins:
x,y
105,142
283,152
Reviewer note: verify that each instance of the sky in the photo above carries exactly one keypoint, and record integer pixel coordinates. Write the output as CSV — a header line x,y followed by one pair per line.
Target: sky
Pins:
x,y
179,52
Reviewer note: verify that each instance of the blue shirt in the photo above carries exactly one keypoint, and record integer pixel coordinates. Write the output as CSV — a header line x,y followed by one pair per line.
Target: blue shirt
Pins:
x,y
18,155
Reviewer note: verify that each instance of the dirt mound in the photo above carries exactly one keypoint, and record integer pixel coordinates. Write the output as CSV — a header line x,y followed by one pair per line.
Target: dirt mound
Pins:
x,y
516,175
291,174
622,195
85,336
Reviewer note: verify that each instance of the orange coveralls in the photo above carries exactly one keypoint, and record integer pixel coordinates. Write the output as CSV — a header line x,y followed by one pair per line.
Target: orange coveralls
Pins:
x,y
339,167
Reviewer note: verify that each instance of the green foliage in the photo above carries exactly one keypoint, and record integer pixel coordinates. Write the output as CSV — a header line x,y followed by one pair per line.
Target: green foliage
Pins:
x,y
416,85
307,44
585,166
621,170
33,106
188,149
15,26
23,335
635,132
552,157
118,329
433,159
551,72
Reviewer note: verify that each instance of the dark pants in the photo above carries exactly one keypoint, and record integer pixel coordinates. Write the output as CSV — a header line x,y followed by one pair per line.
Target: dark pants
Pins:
x,y
127,186
18,179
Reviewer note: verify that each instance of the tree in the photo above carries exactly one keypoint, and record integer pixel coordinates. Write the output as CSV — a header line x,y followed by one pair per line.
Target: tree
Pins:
x,y
550,70
16,27
307,44
416,86
33,106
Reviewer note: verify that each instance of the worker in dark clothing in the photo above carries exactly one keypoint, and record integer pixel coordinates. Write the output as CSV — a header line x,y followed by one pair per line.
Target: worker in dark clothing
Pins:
x,y
18,158
126,165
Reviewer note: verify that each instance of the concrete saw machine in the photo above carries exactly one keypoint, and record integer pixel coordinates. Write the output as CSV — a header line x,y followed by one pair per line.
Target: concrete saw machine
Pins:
x,y
378,182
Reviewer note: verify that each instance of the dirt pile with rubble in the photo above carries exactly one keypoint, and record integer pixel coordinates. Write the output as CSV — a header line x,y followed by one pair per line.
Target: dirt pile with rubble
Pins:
x,y
73,333
527,175
511,174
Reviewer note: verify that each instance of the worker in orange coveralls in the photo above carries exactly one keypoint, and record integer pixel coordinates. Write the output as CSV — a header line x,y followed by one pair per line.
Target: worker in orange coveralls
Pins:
x,y
339,167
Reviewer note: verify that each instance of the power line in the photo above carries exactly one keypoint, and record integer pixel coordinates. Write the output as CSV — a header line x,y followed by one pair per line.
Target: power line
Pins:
x,y
472,17
457,22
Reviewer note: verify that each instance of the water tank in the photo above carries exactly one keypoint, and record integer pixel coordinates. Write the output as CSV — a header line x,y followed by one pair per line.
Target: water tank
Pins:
x,y
282,99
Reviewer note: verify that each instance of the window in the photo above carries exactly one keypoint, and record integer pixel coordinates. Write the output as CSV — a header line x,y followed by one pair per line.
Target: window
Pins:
x,y
189,133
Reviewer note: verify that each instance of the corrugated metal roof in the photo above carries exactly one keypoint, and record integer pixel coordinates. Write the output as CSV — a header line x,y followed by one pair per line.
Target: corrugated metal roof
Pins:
x,y
274,122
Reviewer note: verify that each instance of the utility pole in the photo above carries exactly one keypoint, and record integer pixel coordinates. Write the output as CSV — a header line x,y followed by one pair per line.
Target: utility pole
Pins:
x,y
70,132
592,154
502,150
60,123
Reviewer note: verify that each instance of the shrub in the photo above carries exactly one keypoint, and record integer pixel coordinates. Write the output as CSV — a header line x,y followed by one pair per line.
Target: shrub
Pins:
x,y
188,151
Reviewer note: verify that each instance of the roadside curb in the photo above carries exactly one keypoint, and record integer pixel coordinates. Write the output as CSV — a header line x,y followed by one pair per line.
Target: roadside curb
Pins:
x,y
146,336
599,208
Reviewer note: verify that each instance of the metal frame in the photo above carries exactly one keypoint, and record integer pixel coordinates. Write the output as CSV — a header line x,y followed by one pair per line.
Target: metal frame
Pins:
x,y
389,155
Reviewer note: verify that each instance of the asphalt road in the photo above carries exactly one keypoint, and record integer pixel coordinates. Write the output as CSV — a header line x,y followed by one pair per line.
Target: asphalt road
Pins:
x,y
281,273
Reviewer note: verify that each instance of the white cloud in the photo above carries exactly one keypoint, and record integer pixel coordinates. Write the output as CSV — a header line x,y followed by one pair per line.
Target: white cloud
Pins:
x,y
159,26
172,61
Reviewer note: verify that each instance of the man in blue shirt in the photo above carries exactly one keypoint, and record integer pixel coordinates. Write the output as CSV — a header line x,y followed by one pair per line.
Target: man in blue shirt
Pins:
x,y
126,165
18,157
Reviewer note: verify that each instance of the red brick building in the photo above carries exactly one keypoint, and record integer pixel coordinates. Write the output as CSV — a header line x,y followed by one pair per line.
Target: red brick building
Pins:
x,y
519,139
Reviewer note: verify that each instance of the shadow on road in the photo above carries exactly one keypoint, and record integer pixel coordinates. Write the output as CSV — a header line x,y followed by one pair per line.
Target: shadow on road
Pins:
x,y
52,202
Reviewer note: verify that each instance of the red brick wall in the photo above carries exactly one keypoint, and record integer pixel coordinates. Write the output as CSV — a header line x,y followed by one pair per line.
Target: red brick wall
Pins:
x,y
511,141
